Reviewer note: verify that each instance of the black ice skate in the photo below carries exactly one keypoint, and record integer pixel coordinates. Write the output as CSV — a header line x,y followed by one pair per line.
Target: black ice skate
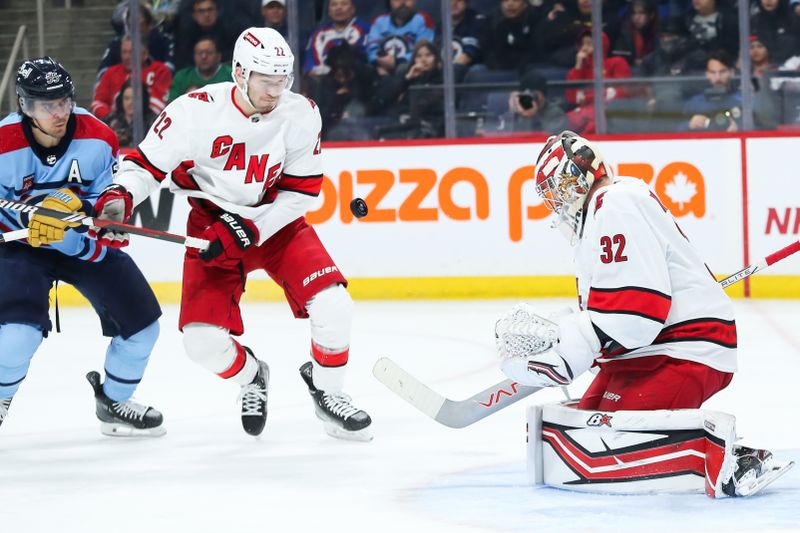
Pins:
x,y
124,419
4,403
339,417
254,400
755,469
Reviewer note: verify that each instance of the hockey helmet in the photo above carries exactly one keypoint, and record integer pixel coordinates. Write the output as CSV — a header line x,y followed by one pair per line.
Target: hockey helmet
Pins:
x,y
566,168
263,50
43,78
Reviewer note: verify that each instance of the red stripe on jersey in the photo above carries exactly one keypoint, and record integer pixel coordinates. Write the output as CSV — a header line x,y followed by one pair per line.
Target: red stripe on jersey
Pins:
x,y
310,185
97,249
648,460
89,127
327,358
638,301
182,178
140,159
233,99
238,363
721,332
12,138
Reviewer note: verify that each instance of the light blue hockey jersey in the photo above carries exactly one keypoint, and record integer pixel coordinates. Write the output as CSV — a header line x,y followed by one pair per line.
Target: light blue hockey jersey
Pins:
x,y
84,161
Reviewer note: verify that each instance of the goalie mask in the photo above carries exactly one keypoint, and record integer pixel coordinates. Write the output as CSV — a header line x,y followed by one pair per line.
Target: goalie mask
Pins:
x,y
566,168
263,50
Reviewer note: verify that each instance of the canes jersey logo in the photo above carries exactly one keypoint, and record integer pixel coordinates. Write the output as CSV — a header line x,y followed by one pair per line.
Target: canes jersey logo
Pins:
x,y
255,165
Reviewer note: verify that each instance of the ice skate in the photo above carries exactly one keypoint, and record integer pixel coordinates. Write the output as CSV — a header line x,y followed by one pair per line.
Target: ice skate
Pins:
x,y
254,400
755,469
124,419
4,404
339,417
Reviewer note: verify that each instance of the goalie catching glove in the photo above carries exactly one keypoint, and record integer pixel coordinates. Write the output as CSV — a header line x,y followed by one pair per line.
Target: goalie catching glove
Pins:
x,y
116,204
545,353
46,230
230,237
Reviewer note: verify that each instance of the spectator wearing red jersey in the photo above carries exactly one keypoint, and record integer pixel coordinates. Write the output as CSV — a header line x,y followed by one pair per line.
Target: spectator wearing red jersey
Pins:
x,y
581,118
155,75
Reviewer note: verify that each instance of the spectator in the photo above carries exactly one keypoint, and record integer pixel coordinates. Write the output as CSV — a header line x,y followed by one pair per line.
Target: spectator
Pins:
x,y
426,105
718,107
565,21
155,75
529,109
393,36
342,94
205,22
638,34
159,45
509,39
121,119
775,23
208,69
760,57
468,28
671,58
713,28
344,27
274,15
582,116
766,109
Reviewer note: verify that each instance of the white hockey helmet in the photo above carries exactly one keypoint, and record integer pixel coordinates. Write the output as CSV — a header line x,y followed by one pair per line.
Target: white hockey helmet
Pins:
x,y
566,168
262,50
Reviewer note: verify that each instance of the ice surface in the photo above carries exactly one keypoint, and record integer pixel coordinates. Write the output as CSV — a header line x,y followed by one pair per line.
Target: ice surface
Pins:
x,y
59,474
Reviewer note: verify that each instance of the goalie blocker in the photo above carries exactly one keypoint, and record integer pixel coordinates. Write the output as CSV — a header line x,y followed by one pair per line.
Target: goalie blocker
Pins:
x,y
636,452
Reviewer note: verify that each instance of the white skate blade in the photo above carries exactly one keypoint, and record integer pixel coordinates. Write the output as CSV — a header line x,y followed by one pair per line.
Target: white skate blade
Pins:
x,y
123,430
778,469
362,435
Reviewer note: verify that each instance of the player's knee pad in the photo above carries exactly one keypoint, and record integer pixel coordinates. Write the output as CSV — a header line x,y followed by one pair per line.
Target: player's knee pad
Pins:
x,y
330,312
208,345
18,343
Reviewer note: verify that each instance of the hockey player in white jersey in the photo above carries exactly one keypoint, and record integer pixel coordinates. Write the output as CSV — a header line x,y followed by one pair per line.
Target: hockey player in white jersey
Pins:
x,y
247,154
652,318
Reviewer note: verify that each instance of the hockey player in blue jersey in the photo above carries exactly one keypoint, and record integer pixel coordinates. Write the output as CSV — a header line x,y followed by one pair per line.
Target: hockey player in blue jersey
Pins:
x,y
61,157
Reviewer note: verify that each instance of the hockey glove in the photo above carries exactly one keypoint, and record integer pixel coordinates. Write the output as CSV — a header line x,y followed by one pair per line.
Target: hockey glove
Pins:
x,y
46,230
230,237
115,203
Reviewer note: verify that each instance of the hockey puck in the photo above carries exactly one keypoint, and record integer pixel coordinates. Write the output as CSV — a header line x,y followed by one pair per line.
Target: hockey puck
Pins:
x,y
359,208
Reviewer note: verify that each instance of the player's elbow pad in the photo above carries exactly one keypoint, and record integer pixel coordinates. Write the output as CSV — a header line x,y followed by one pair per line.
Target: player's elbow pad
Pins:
x,y
577,341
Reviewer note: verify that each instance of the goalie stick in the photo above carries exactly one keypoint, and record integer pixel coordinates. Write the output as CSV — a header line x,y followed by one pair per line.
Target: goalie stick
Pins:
x,y
459,414
21,207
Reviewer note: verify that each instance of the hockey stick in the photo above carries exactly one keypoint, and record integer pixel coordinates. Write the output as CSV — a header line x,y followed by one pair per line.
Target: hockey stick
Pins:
x,y
21,207
459,414
451,413
771,259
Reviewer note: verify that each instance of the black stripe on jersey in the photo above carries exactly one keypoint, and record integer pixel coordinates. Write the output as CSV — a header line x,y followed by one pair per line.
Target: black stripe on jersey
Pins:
x,y
295,190
310,176
147,161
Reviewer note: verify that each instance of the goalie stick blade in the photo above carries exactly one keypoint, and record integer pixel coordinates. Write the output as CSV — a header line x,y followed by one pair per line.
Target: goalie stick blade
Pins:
x,y
454,414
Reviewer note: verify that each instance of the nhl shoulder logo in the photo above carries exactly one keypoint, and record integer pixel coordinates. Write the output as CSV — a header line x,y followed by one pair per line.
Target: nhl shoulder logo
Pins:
x,y
599,419
51,160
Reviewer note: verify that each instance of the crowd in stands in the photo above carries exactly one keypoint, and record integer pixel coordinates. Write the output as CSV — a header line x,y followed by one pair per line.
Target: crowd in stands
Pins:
x,y
375,67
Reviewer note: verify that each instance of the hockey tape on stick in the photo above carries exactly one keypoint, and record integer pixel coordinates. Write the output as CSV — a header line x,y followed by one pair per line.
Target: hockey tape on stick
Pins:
x,y
771,259
21,207
451,413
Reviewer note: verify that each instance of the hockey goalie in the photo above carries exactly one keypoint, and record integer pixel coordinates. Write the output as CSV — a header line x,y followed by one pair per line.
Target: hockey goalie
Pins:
x,y
656,326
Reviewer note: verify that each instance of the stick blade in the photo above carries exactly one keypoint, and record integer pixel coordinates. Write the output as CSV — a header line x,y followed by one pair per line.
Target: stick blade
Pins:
x,y
408,387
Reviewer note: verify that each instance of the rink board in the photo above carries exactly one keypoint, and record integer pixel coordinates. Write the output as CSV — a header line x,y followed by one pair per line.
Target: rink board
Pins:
x,y
461,219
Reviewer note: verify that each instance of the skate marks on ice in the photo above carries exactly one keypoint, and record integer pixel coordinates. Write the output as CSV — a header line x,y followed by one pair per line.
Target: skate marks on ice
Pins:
x,y
499,499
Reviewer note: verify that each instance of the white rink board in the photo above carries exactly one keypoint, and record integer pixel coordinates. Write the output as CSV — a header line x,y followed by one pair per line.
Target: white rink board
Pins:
x,y
773,200
701,177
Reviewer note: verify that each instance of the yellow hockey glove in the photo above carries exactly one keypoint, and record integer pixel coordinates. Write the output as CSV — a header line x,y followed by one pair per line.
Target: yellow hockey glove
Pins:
x,y
46,230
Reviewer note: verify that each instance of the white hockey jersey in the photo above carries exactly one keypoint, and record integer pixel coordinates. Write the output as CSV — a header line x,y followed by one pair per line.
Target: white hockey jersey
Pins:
x,y
266,167
645,285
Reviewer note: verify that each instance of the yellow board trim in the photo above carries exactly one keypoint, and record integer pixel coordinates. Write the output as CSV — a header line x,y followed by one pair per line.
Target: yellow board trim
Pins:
x,y
169,292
